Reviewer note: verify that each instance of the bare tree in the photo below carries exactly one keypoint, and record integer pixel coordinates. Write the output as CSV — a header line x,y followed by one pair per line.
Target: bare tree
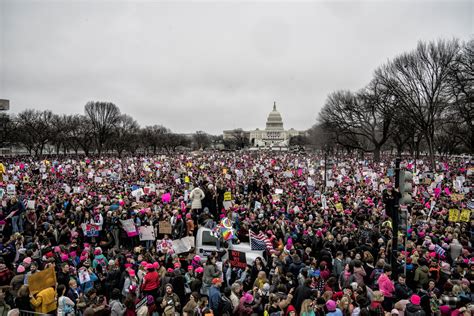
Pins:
x,y
125,135
201,140
360,121
419,82
153,137
34,130
460,112
238,139
104,117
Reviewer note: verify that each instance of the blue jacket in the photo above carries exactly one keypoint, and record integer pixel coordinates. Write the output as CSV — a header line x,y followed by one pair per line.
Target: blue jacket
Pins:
x,y
214,299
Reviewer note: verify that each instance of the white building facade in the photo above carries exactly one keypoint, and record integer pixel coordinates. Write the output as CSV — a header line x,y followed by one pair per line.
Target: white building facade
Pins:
x,y
274,135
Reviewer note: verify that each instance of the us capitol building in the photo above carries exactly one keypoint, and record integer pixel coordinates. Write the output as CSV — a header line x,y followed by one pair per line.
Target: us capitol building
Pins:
x,y
274,135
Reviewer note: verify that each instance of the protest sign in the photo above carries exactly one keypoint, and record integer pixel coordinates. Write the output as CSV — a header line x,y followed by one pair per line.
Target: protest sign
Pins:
x,y
453,215
164,227
129,226
465,215
339,207
98,180
237,259
11,189
138,193
42,280
166,198
278,191
227,196
183,245
30,204
227,205
257,205
146,233
457,197
84,276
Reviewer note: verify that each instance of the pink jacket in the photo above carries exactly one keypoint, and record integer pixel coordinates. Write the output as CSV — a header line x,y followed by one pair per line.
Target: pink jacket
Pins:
x,y
386,285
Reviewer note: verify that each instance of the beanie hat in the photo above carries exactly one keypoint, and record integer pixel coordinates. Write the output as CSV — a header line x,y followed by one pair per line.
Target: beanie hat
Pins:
x,y
199,270
20,269
415,299
156,265
331,305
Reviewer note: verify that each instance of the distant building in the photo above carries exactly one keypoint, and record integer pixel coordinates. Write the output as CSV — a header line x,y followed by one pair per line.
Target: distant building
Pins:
x,y
274,135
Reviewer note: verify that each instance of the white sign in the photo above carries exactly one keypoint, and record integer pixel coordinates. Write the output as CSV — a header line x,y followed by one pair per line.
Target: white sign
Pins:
x,y
278,191
146,233
30,204
183,245
11,189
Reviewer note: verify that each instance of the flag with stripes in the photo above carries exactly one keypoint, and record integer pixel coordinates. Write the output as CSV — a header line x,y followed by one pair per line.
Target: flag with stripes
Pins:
x,y
259,241
440,251
470,205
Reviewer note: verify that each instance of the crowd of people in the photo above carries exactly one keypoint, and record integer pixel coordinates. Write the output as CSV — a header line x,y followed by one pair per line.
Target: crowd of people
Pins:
x,y
329,230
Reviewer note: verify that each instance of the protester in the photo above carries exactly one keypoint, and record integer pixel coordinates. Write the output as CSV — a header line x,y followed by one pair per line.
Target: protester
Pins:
x,y
323,241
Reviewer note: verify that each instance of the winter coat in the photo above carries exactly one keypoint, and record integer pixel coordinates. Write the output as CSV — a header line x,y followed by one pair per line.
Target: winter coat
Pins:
x,y
215,299
359,274
210,272
45,301
414,310
422,276
151,281
196,196
117,308
402,292
386,285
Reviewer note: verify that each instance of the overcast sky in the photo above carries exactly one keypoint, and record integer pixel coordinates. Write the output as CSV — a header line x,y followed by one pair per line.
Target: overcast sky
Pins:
x,y
206,65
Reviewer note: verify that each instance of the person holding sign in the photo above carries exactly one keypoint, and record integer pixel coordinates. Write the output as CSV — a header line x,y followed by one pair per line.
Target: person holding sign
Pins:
x,y
45,301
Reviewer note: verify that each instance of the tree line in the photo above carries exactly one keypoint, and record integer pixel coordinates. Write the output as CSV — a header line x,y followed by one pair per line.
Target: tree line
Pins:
x,y
101,129
422,98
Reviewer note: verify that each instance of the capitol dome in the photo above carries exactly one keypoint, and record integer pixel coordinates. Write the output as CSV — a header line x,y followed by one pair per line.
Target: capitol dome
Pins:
x,y
274,120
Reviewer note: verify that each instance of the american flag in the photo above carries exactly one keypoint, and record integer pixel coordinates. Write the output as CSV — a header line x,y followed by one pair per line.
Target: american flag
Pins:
x,y
259,241
440,251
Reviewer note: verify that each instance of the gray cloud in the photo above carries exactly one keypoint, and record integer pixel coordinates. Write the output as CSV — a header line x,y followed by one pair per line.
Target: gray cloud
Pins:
x,y
208,65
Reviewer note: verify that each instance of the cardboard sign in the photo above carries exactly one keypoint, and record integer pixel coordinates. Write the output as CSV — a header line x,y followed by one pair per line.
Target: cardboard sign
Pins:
x,y
129,226
42,280
146,233
227,196
465,215
237,259
164,227
453,215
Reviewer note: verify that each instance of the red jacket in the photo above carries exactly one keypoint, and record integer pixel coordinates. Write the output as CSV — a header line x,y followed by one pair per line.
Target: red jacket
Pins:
x,y
151,281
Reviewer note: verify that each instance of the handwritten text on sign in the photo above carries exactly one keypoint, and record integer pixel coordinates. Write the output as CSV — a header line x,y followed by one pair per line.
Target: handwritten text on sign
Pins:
x,y
237,259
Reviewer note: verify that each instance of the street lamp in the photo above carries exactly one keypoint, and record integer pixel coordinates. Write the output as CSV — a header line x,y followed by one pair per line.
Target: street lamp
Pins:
x,y
416,149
